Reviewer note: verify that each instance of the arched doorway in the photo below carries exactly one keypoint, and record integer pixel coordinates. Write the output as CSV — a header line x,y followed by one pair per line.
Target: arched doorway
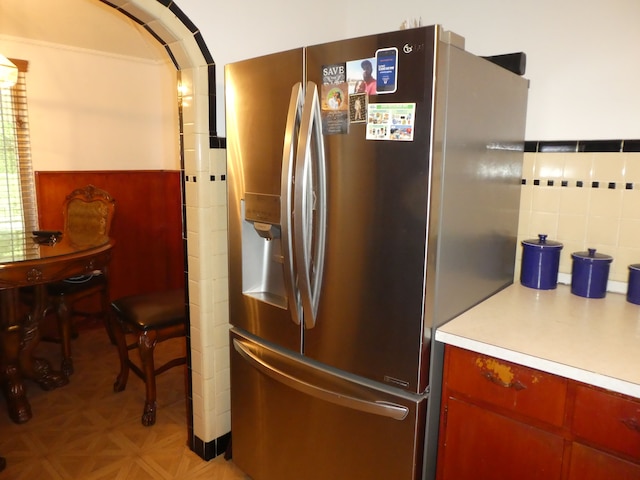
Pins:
x,y
203,165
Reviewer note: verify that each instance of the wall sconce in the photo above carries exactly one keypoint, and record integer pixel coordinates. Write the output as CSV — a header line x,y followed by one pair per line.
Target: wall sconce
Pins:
x,y
8,72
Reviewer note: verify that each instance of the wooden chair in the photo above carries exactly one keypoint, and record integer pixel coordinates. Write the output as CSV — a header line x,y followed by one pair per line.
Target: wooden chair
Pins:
x,y
152,318
88,213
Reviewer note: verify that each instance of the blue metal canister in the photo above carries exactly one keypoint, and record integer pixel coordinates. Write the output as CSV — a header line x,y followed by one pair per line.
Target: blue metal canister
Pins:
x,y
633,289
590,273
540,263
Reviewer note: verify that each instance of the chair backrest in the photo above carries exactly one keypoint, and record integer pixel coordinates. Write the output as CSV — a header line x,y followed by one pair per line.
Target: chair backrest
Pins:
x,y
88,213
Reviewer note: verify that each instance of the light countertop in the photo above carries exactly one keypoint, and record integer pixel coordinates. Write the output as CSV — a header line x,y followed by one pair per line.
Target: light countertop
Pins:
x,y
595,341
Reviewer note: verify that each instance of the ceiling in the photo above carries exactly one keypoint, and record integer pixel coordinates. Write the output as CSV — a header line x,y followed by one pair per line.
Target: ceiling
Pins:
x,y
88,24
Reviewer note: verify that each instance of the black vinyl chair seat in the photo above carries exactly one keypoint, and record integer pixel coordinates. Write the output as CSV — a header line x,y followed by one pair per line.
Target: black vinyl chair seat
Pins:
x,y
151,311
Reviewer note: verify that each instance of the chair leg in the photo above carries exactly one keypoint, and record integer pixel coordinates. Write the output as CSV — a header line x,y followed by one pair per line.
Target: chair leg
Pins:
x,y
106,313
64,327
146,345
123,353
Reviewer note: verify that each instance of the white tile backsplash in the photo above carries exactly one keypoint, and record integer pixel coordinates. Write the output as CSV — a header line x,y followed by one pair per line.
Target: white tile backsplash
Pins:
x,y
631,204
604,218
609,167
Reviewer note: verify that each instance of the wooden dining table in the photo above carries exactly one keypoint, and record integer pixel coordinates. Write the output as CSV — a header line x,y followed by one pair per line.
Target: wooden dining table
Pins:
x,y
26,263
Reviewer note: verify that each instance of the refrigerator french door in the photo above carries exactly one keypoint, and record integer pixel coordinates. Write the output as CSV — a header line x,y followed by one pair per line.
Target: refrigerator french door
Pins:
x,y
361,217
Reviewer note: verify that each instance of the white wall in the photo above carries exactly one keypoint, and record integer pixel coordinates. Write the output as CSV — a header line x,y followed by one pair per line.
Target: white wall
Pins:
x,y
259,27
582,54
92,111
581,57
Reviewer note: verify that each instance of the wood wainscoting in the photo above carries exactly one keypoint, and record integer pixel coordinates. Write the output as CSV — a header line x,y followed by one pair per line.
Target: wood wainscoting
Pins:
x,y
149,254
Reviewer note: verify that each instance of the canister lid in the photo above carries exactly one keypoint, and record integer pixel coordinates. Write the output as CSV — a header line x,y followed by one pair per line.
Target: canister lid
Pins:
x,y
591,256
542,242
635,266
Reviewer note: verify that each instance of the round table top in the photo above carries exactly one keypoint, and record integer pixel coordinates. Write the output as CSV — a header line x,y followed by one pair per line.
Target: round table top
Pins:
x,y
25,261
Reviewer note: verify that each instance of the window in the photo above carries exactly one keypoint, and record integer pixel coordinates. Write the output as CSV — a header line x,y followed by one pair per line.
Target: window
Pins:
x,y
18,206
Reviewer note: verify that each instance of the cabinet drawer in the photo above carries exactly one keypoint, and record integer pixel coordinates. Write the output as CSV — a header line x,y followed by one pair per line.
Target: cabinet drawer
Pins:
x,y
517,389
607,419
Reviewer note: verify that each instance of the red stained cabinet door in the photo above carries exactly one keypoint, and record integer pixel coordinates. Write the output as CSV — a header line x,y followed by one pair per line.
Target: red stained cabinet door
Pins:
x,y
607,420
482,445
591,464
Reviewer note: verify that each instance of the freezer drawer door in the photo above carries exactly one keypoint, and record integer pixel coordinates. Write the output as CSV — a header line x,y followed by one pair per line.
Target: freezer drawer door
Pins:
x,y
292,419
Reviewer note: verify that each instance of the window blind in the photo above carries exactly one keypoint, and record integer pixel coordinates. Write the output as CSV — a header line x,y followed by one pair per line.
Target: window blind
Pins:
x,y
18,202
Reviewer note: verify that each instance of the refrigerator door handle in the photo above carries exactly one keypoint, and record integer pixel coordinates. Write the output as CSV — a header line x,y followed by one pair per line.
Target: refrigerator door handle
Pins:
x,y
286,205
309,214
380,408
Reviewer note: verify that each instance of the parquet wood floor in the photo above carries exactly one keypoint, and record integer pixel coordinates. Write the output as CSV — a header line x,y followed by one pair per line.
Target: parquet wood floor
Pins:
x,y
85,431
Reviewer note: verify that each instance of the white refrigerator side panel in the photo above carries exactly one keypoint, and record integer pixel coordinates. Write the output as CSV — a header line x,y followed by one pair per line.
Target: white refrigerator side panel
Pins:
x,y
480,120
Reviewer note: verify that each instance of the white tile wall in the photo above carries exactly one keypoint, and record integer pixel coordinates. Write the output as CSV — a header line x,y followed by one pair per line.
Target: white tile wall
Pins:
x,y
205,206
208,291
601,218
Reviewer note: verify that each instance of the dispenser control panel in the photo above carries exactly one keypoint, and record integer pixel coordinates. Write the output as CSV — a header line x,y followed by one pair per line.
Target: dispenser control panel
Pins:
x,y
262,208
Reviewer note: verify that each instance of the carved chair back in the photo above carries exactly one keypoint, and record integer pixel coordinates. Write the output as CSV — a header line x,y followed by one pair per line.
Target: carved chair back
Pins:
x,y
88,213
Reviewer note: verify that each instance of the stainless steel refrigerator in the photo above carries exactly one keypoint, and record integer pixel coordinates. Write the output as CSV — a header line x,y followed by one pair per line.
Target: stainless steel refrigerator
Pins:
x,y
374,188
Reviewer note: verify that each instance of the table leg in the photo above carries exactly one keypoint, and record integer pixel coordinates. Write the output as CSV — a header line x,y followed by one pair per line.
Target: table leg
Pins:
x,y
38,369
12,384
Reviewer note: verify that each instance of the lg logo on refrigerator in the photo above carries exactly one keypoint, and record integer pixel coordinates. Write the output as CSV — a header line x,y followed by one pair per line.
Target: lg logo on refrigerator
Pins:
x,y
410,48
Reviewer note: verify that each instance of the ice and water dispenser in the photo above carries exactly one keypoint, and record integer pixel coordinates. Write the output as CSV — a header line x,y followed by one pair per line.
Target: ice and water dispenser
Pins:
x,y
262,252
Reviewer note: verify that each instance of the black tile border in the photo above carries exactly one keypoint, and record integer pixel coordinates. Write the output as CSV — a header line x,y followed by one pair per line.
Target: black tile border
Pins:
x,y
577,146
600,146
631,146
580,184
131,16
197,36
182,17
156,36
217,142
557,146
172,57
211,449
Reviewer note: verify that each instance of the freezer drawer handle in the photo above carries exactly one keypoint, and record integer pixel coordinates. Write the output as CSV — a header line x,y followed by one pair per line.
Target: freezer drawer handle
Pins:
x,y
381,408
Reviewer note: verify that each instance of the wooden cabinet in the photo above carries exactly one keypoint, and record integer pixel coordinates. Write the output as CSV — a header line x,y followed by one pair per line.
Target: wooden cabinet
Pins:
x,y
482,447
503,421
511,388
590,464
607,420
610,424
